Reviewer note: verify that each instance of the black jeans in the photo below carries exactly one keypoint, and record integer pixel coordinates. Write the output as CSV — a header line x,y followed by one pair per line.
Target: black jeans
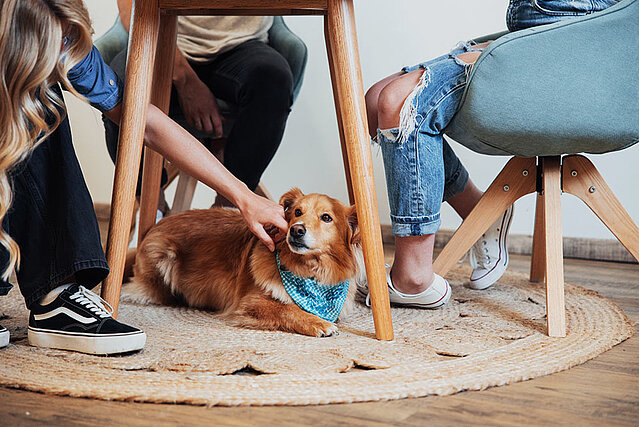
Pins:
x,y
258,82
53,221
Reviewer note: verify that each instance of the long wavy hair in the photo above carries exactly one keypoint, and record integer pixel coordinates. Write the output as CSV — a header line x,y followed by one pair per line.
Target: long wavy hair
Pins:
x,y
40,41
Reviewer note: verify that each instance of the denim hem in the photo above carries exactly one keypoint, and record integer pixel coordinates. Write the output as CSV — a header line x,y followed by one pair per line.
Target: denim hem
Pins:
x,y
54,281
416,228
457,183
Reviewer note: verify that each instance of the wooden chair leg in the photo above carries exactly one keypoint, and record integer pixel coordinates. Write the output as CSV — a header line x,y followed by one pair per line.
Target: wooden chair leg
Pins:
x,y
340,125
139,69
263,191
554,271
343,56
515,180
161,97
183,193
582,179
538,259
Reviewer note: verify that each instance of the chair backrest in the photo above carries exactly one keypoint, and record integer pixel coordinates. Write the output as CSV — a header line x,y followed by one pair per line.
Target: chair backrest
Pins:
x,y
563,88
281,38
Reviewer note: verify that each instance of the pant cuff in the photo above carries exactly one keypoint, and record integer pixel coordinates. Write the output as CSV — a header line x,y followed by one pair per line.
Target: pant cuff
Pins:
x,y
87,273
403,229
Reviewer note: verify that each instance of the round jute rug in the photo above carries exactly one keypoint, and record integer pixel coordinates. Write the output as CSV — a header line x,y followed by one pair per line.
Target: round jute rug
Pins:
x,y
480,339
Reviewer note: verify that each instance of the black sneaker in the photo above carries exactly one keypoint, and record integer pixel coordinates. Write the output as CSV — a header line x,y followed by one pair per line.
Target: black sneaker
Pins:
x,y
4,337
79,320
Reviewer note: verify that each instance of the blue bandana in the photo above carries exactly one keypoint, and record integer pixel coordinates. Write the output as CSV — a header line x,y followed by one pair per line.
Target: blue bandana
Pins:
x,y
324,301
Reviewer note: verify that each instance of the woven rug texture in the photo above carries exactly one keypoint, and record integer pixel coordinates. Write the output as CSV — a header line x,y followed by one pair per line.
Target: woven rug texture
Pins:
x,y
479,339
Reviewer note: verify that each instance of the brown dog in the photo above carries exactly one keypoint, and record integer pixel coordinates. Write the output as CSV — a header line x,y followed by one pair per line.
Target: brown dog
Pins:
x,y
210,259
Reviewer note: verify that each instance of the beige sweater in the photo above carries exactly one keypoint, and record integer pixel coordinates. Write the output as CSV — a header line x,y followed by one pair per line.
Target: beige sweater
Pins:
x,y
201,37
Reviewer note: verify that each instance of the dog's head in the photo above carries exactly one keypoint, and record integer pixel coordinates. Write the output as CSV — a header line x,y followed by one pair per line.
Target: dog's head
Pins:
x,y
318,224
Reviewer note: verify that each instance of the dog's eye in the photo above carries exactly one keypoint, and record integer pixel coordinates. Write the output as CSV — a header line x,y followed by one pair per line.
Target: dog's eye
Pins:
x,y
326,218
298,212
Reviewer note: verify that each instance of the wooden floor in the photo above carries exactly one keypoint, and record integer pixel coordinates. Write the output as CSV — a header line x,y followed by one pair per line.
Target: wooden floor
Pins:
x,y
604,391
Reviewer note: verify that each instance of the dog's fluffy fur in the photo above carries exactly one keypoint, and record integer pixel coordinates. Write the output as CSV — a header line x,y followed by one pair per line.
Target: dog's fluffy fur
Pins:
x,y
210,259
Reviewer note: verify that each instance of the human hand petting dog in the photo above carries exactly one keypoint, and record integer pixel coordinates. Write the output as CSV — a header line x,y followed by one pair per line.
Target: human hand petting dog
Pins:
x,y
265,219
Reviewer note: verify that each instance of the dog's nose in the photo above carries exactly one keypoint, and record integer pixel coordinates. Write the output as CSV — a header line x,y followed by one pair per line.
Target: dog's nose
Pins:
x,y
298,230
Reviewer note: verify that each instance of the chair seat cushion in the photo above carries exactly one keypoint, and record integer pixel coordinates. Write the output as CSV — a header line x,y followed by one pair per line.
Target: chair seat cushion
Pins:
x,y
564,88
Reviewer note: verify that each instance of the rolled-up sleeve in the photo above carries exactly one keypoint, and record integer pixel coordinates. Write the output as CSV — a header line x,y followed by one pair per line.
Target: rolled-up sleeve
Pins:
x,y
98,83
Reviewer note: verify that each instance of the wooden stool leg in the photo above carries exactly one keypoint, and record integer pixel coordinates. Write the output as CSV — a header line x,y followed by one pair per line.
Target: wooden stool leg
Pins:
x,y
142,46
538,259
582,179
347,80
161,97
515,180
347,169
554,271
183,193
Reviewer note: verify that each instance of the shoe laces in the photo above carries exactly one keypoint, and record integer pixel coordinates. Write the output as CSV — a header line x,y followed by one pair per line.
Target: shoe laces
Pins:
x,y
479,253
93,302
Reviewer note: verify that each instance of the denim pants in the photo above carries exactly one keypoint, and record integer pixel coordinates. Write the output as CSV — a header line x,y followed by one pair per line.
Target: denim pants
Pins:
x,y
257,81
53,221
421,168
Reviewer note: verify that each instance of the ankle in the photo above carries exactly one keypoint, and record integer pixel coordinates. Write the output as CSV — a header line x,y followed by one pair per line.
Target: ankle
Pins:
x,y
412,283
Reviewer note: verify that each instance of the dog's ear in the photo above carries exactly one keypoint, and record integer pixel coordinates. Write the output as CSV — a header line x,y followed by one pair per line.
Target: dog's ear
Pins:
x,y
354,226
289,198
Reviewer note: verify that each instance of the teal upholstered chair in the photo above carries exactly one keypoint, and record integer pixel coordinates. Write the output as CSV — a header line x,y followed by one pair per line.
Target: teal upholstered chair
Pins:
x,y
544,95
281,38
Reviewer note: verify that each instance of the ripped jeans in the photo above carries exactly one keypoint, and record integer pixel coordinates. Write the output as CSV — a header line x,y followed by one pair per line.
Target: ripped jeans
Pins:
x,y
421,168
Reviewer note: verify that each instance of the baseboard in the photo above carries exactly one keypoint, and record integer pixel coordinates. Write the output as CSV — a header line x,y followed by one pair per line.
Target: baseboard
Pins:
x,y
574,247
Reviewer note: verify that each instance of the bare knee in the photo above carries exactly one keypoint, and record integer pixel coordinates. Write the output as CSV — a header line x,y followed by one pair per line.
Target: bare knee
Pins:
x,y
392,97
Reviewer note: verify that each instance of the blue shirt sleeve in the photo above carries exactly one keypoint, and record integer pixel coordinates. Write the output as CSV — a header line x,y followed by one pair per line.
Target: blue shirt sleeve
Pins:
x,y
98,83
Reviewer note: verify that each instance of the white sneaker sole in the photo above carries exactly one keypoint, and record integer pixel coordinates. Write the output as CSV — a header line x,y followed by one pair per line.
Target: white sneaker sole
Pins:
x,y
492,276
4,338
87,343
442,301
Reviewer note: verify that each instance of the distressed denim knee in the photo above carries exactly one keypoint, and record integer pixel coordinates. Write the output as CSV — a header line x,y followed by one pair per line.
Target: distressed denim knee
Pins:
x,y
421,169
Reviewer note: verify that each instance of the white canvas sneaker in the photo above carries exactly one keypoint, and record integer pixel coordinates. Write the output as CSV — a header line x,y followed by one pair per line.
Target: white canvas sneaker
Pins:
x,y
437,294
4,337
489,255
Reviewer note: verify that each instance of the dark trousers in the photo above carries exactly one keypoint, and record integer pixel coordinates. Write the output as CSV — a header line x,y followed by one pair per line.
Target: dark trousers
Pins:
x,y
257,82
53,221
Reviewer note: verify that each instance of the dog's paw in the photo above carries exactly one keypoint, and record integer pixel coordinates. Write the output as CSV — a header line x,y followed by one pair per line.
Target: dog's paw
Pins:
x,y
326,329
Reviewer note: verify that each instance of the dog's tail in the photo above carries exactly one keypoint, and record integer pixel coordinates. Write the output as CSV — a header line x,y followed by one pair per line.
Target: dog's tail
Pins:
x,y
128,265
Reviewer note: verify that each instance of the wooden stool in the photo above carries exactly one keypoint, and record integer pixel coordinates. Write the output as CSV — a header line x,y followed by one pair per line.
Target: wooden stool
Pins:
x,y
343,56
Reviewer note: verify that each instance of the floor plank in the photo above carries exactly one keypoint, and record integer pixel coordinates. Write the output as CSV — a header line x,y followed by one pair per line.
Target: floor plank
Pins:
x,y
602,391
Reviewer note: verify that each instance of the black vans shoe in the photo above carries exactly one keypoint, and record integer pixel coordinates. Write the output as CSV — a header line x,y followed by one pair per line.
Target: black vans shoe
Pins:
x,y
4,337
80,320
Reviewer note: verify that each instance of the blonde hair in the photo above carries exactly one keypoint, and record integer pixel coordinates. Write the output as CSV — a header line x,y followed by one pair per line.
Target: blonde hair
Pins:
x,y
33,59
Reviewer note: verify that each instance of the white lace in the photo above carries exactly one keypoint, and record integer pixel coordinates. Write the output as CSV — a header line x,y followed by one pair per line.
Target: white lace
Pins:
x,y
93,302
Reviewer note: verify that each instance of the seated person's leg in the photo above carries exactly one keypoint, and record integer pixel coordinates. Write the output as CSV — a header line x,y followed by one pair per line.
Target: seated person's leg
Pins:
x,y
258,80
412,112
53,221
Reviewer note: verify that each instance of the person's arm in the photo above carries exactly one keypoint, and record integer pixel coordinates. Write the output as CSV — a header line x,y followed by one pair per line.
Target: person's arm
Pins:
x,y
179,147
196,100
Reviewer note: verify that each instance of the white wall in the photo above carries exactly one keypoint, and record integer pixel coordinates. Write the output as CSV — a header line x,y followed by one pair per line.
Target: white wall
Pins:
x,y
391,34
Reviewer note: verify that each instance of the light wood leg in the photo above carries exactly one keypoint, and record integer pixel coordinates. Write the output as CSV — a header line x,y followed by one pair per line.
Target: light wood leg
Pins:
x,y
340,125
142,46
261,190
515,180
582,179
554,271
538,259
161,97
347,79
183,193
